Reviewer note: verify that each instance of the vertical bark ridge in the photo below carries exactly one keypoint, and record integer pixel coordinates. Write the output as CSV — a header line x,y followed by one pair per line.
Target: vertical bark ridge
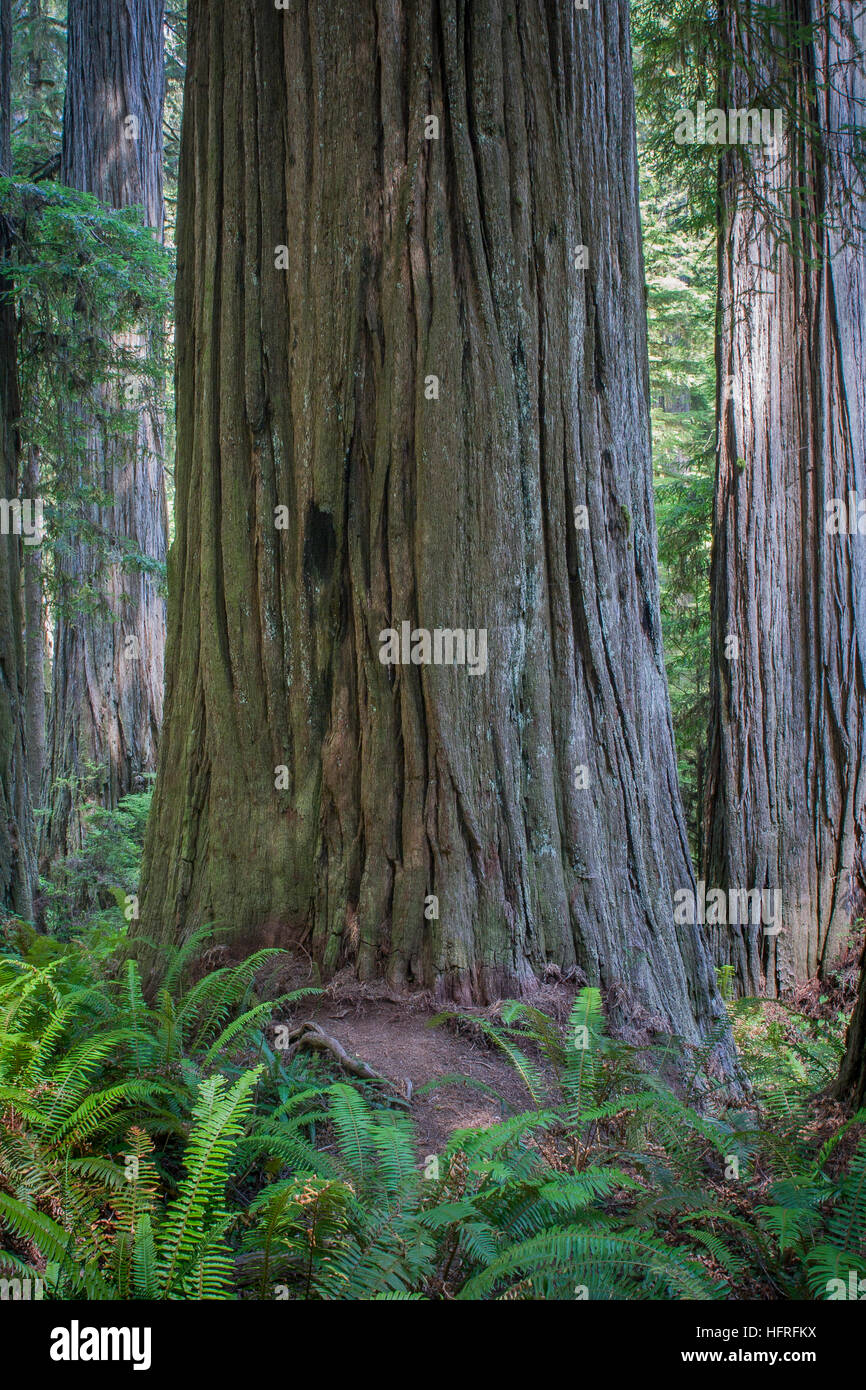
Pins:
x,y
17,864
107,687
785,790
410,258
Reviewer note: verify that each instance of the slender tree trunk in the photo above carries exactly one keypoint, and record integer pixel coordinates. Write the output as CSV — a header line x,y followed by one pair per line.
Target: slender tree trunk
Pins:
x,y
787,779
34,608
35,656
17,864
34,61
107,688
700,762
432,389
851,1083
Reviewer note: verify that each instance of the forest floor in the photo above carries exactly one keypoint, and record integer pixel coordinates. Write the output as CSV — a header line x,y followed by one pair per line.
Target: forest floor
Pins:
x,y
456,1077
393,1034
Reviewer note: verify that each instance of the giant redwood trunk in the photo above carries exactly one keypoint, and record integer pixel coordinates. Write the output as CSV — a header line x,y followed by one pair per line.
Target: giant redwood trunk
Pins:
x,y
787,782
106,705
17,865
433,386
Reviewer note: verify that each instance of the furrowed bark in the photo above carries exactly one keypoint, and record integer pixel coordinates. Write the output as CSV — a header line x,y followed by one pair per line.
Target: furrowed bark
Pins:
x,y
785,791
107,689
34,644
17,862
309,388
851,1082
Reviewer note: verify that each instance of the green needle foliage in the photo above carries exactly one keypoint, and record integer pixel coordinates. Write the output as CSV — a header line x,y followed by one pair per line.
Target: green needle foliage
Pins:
x,y
675,51
87,282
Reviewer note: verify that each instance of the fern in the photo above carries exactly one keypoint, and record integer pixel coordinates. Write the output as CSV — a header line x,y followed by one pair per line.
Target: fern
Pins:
x,y
191,1244
182,1157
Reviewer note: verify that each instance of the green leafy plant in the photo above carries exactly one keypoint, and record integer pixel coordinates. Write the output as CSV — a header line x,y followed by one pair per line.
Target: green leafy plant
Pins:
x,y
157,1146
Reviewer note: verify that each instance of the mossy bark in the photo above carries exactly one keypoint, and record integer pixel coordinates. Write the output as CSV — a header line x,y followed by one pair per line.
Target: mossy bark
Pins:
x,y
309,388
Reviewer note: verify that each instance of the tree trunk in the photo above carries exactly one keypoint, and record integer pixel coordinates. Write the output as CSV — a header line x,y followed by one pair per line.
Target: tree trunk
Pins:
x,y
306,788
785,788
34,648
34,609
17,865
107,687
851,1083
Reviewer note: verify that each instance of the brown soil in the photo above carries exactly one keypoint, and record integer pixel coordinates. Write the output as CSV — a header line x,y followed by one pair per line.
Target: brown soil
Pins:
x,y
393,1034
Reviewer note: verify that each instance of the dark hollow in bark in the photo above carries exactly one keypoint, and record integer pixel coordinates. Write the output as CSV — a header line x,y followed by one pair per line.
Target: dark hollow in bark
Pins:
x,y
309,388
785,789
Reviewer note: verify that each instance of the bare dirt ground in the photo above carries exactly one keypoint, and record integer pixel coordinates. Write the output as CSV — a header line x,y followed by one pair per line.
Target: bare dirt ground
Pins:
x,y
392,1033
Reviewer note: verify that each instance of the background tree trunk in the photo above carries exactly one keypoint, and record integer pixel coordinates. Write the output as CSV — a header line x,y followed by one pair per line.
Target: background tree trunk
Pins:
x,y
308,387
17,864
785,788
107,689
34,648
851,1084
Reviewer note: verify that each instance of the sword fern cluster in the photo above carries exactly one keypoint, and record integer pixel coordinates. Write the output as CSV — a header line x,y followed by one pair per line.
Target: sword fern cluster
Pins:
x,y
159,1148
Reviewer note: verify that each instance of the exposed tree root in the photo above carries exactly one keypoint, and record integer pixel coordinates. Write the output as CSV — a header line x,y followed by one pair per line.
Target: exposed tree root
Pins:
x,y
311,1036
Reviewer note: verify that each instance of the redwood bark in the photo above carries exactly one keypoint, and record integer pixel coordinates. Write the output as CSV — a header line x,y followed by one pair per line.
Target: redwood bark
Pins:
x,y
107,686
17,864
34,644
785,791
851,1083
307,388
